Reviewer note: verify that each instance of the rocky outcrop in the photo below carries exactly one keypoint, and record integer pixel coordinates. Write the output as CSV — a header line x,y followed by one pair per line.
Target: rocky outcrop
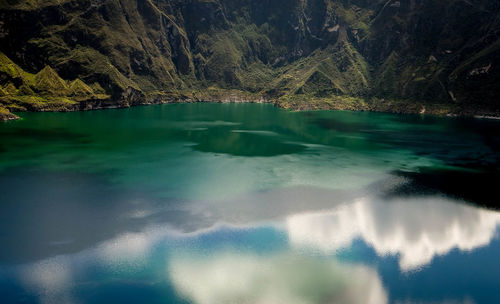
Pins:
x,y
5,115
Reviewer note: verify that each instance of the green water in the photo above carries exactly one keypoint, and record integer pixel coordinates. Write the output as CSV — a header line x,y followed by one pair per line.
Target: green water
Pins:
x,y
247,203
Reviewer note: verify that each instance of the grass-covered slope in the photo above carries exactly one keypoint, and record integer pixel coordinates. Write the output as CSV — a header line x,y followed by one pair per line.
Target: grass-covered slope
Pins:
x,y
404,56
43,91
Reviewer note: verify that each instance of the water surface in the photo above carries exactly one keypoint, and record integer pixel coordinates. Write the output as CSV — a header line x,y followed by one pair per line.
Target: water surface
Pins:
x,y
248,203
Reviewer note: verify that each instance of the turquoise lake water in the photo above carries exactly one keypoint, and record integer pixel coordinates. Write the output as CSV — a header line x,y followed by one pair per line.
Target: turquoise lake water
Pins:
x,y
248,203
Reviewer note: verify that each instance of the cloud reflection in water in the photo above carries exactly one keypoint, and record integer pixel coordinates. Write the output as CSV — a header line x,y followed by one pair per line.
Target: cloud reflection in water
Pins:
x,y
50,280
240,278
415,229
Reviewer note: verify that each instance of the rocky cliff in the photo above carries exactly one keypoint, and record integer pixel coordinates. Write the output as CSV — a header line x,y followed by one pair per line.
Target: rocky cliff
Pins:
x,y
409,55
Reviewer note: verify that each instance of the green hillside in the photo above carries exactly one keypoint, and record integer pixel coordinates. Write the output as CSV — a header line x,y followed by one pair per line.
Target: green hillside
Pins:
x,y
399,56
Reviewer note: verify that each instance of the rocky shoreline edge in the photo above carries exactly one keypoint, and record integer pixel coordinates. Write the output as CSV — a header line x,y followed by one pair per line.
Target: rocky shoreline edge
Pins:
x,y
132,98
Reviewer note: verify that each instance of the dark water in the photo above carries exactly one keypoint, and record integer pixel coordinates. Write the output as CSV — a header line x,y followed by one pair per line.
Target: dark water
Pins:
x,y
247,203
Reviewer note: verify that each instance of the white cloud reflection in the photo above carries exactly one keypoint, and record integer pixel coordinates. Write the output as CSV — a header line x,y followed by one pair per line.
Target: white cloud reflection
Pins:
x,y
415,229
240,278
50,280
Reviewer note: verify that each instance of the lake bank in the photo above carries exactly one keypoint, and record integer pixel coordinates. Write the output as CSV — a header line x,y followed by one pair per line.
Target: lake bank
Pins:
x,y
297,103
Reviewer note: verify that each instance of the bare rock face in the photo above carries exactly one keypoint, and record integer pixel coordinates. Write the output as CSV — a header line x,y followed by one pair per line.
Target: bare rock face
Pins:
x,y
412,51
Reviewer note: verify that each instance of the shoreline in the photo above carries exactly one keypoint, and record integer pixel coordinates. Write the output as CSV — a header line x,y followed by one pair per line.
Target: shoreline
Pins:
x,y
307,104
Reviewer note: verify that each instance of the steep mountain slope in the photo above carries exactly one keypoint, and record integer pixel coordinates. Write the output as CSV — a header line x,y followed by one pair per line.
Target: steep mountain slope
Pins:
x,y
411,56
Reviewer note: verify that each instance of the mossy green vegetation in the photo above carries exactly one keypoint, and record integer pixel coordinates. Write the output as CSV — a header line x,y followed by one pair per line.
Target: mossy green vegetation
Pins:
x,y
6,115
326,52
3,92
79,88
48,83
43,91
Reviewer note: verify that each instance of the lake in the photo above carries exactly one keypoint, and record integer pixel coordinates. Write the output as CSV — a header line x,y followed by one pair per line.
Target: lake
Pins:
x,y
248,203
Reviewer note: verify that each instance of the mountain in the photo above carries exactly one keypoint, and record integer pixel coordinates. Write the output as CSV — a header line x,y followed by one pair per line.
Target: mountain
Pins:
x,y
44,91
437,56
